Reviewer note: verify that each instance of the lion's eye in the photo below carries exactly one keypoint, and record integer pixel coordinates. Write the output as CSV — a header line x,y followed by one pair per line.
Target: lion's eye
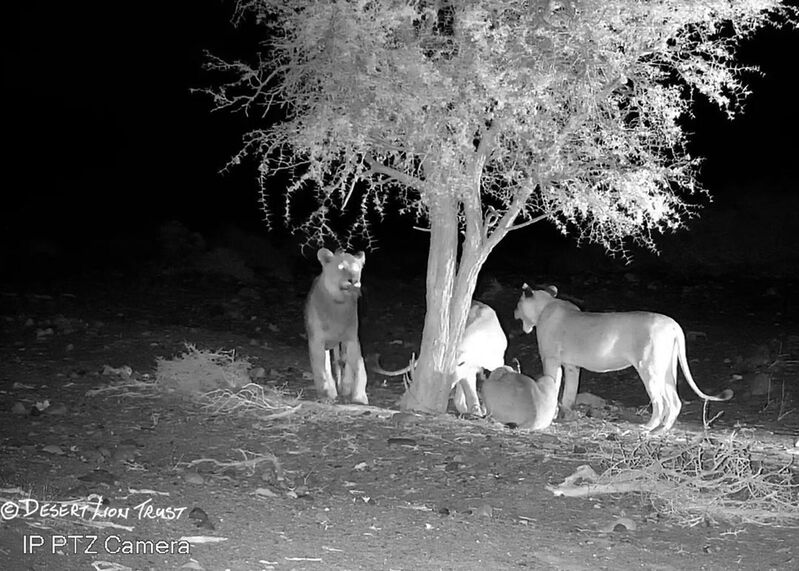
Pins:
x,y
341,266
356,267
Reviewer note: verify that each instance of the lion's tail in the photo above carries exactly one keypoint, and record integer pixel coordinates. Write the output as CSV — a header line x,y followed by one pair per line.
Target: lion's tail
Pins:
x,y
374,364
679,341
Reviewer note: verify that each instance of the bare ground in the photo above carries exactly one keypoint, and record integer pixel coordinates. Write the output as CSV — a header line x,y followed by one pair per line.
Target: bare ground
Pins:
x,y
341,487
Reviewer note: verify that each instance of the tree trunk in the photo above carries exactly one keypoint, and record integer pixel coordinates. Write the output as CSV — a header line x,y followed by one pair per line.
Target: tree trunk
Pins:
x,y
429,391
449,295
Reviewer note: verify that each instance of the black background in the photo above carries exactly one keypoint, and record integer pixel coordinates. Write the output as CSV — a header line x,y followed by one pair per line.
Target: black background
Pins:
x,y
104,139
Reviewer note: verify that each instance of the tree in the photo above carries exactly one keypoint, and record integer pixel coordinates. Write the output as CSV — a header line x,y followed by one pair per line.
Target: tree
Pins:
x,y
482,116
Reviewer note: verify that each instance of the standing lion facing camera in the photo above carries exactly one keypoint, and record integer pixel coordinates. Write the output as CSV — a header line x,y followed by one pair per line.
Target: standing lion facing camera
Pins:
x,y
331,323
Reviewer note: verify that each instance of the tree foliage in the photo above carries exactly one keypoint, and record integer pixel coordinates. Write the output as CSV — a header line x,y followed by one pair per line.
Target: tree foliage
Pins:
x,y
518,110
482,116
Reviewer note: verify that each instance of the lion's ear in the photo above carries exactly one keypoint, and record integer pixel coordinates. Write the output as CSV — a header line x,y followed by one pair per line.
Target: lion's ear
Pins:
x,y
551,290
527,291
361,257
324,256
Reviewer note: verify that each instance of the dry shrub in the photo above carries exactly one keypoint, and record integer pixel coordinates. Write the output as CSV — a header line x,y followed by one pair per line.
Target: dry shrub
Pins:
x,y
202,370
708,479
252,398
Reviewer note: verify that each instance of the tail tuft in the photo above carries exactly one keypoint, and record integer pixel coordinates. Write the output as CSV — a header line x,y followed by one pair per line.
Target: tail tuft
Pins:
x,y
726,394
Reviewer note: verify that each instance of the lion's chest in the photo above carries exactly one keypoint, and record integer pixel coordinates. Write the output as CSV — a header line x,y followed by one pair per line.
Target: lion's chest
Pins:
x,y
332,320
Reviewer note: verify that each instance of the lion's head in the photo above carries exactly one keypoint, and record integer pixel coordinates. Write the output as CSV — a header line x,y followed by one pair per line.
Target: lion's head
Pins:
x,y
531,303
341,271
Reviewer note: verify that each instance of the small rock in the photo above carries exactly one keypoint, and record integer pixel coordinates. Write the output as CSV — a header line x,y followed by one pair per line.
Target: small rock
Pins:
x,y
124,453
484,510
453,466
624,524
59,409
200,518
53,449
93,457
619,525
19,409
98,476
760,384
193,478
401,441
42,333
402,419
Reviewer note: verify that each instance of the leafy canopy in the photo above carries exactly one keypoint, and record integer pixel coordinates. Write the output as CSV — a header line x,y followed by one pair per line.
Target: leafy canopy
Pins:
x,y
568,110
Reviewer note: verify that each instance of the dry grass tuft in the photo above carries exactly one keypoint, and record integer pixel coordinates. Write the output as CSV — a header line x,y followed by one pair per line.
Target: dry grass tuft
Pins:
x,y
202,370
705,480
252,398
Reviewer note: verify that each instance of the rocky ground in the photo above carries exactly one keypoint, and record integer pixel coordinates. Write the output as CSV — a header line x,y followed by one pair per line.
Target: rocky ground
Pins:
x,y
102,467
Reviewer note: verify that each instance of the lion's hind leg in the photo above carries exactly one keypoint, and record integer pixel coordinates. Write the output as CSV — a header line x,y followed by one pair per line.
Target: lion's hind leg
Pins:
x,y
672,398
673,406
655,388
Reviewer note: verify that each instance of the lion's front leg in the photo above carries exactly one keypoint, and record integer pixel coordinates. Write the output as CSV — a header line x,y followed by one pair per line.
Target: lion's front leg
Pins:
x,y
320,368
466,399
354,378
571,381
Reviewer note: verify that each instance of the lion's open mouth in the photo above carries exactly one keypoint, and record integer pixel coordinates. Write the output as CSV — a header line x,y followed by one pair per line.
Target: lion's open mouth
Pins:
x,y
354,289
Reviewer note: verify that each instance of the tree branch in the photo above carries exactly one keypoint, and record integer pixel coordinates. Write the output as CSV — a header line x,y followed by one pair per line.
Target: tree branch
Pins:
x,y
527,222
376,167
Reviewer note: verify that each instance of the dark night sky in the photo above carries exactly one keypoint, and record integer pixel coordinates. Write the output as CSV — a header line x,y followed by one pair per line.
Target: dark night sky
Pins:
x,y
106,137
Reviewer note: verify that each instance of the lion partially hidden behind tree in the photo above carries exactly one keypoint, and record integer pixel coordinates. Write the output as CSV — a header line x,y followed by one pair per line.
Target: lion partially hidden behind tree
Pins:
x,y
331,323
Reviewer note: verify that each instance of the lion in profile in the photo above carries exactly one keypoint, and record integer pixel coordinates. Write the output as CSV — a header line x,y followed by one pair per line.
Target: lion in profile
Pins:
x,y
570,339
331,324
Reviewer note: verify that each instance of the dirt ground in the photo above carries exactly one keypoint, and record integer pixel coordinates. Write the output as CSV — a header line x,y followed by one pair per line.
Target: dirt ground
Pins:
x,y
346,487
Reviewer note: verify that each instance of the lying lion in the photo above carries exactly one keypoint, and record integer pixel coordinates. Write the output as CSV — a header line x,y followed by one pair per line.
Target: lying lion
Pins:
x,y
569,339
512,398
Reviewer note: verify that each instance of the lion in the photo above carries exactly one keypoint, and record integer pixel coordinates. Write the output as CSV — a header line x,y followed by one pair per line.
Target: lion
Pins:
x,y
570,339
512,398
331,324
482,347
